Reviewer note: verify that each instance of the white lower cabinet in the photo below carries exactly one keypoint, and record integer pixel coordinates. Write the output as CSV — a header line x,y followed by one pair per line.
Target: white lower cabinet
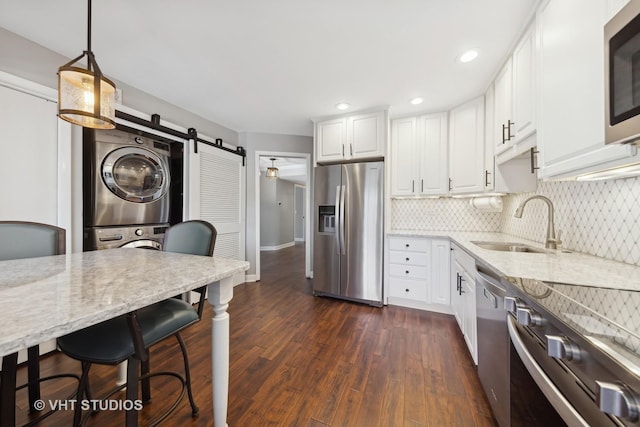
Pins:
x,y
419,272
463,296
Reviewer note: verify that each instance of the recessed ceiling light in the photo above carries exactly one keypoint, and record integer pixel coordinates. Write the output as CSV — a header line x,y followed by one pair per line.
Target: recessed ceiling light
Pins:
x,y
416,101
468,56
343,106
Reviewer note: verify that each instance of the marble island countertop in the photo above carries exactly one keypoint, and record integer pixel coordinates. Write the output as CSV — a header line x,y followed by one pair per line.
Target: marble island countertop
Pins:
x,y
44,298
552,266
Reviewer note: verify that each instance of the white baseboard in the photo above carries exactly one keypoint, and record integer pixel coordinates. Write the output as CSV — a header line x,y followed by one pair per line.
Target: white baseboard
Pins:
x,y
251,278
277,248
299,239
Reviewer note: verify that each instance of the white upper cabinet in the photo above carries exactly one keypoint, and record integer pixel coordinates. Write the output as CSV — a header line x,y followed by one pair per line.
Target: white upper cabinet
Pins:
x,y
513,176
466,148
419,155
571,131
515,100
331,136
403,157
502,116
524,86
353,137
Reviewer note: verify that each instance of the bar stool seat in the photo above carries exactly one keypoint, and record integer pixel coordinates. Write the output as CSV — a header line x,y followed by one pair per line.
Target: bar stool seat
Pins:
x,y
110,342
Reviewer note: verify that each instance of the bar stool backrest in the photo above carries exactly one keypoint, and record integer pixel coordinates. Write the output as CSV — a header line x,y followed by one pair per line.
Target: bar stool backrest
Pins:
x,y
21,239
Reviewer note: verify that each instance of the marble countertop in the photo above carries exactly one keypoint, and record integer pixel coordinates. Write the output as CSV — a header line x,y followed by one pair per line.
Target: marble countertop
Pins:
x,y
553,266
45,298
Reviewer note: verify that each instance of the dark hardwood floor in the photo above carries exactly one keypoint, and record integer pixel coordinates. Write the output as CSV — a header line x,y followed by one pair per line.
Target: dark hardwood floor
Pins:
x,y
299,360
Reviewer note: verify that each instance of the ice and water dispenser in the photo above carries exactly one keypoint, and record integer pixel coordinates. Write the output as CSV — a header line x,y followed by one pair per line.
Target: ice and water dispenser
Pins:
x,y
327,219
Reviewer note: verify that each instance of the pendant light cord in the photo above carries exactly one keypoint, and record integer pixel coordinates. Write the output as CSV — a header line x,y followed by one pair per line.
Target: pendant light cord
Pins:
x,y
89,27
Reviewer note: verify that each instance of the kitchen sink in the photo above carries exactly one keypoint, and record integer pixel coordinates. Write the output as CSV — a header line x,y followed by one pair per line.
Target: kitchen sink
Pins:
x,y
509,247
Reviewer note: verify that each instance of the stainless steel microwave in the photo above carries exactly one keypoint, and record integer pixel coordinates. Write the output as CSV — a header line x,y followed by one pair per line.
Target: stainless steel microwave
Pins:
x,y
622,75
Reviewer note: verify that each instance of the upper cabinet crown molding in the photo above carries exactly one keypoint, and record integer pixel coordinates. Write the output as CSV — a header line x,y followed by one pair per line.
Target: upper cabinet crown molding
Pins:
x,y
351,137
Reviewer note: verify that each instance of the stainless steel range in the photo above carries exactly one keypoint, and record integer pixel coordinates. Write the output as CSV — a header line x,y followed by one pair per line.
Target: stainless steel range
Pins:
x,y
580,346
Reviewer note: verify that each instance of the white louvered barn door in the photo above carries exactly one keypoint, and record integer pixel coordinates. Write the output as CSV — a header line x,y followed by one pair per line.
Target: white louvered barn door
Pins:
x,y
217,195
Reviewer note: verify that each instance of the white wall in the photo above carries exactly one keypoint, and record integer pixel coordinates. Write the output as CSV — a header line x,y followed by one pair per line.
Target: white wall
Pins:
x,y
26,59
276,213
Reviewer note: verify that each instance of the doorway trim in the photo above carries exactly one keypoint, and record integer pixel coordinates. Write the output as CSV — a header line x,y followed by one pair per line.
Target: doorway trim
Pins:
x,y
307,207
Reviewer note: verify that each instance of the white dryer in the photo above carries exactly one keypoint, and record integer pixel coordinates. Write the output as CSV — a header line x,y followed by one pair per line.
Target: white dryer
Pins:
x,y
126,179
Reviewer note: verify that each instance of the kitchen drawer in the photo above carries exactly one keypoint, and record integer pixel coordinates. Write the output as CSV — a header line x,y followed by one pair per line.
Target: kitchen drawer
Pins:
x,y
409,289
414,244
409,258
408,271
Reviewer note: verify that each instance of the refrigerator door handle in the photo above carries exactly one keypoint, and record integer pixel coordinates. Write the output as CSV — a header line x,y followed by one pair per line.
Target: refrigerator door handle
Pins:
x,y
337,227
342,214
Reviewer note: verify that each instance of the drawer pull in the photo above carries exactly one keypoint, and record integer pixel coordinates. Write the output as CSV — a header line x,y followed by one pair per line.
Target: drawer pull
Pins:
x,y
406,245
406,290
406,259
406,272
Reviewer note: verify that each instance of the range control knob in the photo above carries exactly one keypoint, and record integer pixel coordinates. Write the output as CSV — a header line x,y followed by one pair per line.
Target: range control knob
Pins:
x,y
138,231
510,304
527,317
560,347
618,400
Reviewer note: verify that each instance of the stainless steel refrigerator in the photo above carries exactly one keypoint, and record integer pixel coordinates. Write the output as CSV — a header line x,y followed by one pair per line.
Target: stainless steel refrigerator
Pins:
x,y
348,238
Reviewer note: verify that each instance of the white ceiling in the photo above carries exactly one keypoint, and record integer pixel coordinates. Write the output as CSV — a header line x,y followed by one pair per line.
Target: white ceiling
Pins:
x,y
292,169
272,66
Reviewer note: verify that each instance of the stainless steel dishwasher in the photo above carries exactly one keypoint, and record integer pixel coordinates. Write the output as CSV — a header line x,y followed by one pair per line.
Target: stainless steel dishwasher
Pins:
x,y
493,343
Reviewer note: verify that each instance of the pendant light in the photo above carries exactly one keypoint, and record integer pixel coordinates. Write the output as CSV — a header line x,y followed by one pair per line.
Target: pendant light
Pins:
x,y
85,96
272,171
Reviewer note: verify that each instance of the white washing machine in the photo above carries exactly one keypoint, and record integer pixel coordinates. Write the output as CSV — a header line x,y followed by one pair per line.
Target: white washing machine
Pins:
x,y
126,179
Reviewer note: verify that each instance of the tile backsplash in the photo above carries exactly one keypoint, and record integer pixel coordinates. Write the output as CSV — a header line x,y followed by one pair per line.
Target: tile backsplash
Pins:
x,y
441,215
600,218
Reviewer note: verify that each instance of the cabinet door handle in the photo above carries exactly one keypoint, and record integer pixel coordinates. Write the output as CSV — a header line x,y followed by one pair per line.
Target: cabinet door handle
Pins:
x,y
504,138
486,178
422,185
509,124
342,150
351,149
450,183
413,186
457,281
533,153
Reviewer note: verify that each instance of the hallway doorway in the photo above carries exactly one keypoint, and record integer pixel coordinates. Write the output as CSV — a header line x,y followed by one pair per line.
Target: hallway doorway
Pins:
x,y
282,204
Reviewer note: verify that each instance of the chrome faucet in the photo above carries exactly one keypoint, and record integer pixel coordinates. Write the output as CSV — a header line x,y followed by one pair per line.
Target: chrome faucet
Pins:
x,y
552,242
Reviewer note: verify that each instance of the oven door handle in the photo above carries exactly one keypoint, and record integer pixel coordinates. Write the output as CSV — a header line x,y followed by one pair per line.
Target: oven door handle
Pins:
x,y
551,392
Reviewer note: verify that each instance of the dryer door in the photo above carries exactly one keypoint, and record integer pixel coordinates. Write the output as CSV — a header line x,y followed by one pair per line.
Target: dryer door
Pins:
x,y
144,244
135,174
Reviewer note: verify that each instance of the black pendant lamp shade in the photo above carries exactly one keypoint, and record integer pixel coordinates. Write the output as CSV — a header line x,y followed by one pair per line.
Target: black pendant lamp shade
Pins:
x,y
85,96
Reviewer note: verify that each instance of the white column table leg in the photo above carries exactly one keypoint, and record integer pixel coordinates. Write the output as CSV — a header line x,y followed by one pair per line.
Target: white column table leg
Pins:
x,y
219,295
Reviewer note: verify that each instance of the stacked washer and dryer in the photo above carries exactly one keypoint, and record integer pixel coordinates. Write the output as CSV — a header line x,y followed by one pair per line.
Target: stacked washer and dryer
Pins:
x,y
126,190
